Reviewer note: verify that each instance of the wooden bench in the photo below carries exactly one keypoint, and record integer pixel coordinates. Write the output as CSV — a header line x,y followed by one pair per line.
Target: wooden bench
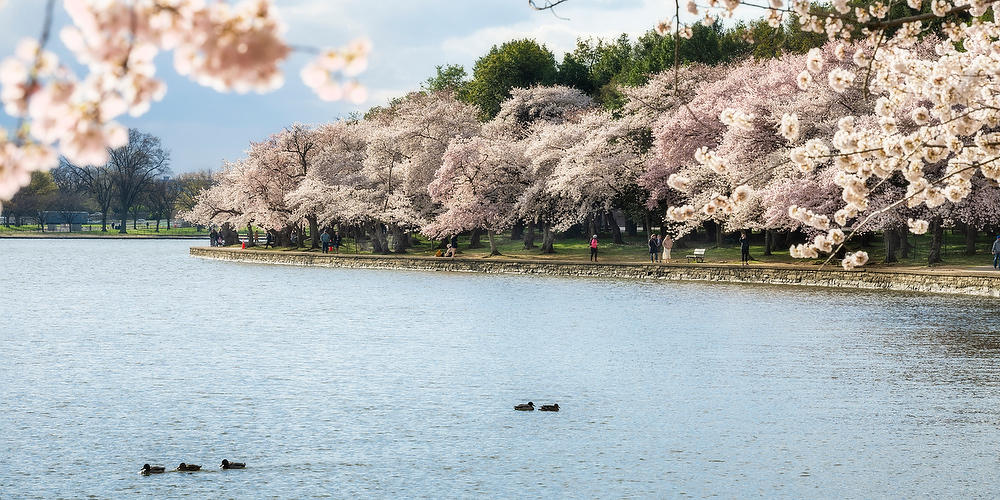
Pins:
x,y
697,256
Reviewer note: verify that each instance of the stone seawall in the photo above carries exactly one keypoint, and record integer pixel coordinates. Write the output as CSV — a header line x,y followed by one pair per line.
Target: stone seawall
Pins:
x,y
967,284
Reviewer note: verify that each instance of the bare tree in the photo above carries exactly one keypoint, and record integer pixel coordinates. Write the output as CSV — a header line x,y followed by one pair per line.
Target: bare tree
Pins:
x,y
163,196
133,167
95,181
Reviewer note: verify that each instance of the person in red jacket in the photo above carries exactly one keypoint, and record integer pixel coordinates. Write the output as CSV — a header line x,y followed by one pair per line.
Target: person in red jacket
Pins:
x,y
593,248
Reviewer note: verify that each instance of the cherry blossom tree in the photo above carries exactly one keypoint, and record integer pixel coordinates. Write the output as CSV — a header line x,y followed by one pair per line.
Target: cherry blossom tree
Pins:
x,y
226,47
479,184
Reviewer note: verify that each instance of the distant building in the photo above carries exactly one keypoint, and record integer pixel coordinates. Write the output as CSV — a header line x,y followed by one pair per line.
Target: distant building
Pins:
x,y
75,220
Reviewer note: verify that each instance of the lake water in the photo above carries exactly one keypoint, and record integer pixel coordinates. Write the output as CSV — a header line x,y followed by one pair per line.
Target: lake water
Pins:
x,y
363,383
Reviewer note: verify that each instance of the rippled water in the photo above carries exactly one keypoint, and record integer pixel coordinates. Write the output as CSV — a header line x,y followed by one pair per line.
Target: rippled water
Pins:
x,y
347,383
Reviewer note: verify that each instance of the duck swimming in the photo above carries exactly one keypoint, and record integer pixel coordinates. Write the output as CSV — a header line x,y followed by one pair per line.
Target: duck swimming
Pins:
x,y
552,407
147,469
226,464
183,467
528,407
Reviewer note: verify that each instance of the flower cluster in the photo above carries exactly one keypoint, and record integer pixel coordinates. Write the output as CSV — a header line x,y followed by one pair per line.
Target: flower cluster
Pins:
x,y
224,46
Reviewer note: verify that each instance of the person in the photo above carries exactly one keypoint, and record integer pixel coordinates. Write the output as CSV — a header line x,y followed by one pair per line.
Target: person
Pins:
x,y
654,248
220,241
294,238
454,241
996,253
336,242
668,243
213,237
256,238
450,252
744,248
324,239
593,248
269,240
659,247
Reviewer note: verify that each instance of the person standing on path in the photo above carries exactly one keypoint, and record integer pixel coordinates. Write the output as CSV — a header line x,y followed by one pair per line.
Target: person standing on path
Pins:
x,y
325,241
996,253
659,247
593,248
744,248
654,248
336,242
668,243
213,237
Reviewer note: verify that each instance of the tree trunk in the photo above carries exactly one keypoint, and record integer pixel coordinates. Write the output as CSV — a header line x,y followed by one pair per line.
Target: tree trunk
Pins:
x,y
123,214
591,226
517,232
475,238
529,235
548,239
937,238
630,227
616,232
493,244
398,239
891,240
380,243
229,235
313,230
168,223
905,246
104,221
647,225
768,241
718,235
971,232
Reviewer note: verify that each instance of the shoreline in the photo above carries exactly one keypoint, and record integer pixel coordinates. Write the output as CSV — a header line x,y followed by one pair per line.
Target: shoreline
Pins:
x,y
972,283
108,236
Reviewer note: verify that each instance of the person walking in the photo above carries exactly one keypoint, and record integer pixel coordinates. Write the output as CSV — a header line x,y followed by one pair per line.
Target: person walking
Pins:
x,y
667,244
996,253
593,248
268,240
659,247
336,242
454,241
654,248
744,248
213,237
325,241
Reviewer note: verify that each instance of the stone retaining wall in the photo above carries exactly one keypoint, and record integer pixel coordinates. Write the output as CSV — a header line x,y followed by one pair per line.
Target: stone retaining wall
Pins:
x,y
980,285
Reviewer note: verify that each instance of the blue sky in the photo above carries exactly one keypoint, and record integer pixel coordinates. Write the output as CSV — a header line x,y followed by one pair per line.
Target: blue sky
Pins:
x,y
410,37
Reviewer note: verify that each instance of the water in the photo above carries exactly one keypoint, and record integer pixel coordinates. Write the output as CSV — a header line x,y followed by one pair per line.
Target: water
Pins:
x,y
361,383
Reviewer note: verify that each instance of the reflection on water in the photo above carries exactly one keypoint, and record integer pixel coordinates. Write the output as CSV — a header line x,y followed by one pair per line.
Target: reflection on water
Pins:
x,y
389,384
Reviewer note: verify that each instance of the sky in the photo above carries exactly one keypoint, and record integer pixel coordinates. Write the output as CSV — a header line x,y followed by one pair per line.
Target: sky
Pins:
x,y
202,128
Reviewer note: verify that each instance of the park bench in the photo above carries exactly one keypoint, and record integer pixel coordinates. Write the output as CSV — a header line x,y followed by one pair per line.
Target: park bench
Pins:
x,y
697,256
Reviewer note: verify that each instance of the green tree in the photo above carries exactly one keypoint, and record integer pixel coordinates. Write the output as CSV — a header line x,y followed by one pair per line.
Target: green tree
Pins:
x,y
450,77
515,64
32,199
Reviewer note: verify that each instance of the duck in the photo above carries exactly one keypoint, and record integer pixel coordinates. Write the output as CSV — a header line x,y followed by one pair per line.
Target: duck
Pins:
x,y
226,464
528,407
147,469
183,467
552,407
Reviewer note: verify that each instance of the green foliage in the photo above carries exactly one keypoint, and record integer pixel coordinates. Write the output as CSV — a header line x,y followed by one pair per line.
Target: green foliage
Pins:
x,y
450,77
515,64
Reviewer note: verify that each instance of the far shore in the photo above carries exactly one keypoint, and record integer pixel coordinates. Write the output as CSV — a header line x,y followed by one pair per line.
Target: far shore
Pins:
x,y
98,236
